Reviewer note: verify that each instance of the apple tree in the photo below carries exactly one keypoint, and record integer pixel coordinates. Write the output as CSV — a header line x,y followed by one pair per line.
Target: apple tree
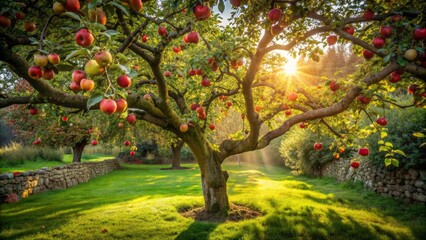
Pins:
x,y
170,64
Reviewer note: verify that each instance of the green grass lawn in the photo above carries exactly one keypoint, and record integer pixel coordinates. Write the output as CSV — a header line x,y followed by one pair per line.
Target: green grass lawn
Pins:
x,y
34,165
143,202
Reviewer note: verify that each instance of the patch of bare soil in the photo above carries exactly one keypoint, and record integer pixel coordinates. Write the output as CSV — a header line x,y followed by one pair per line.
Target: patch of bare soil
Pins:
x,y
236,213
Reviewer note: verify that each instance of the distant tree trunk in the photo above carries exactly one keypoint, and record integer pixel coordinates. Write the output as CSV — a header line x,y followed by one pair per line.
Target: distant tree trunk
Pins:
x,y
77,150
176,148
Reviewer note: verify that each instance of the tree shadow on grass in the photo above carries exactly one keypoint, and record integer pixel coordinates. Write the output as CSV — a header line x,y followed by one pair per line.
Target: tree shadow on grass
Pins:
x,y
198,230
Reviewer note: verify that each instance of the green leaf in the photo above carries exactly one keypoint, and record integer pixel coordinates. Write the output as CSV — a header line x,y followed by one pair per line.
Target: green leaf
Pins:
x,y
395,162
111,32
397,151
124,68
121,56
383,149
381,142
119,6
75,53
388,162
389,144
383,134
94,99
65,67
418,135
72,15
401,61
387,58
221,6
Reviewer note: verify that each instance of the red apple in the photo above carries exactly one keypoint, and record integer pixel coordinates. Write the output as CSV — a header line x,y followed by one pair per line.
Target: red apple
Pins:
x,y
53,58
363,152
94,142
35,72
87,84
202,116
386,31
199,109
126,143
331,40
336,155
363,99
5,21
97,15
368,15
193,37
378,42
212,127
33,111
334,86
201,12
287,112
19,15
121,105
162,31
229,104
318,146
72,5
145,38
48,74
194,106
135,5
167,74
355,164
349,29
185,38
303,125
90,131
64,118
176,49
275,15
382,121
368,54
205,82
419,34
29,26
132,153
108,106
192,72
412,88
84,37
257,108
75,86
124,81
103,58
396,18
183,127
395,77
77,75
199,72
235,3
292,96
131,118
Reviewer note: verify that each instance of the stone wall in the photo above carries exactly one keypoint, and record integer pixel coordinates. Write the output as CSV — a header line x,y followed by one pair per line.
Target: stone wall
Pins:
x,y
32,182
408,185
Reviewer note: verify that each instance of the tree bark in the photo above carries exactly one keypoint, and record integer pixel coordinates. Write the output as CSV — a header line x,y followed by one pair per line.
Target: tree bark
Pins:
x,y
77,150
176,148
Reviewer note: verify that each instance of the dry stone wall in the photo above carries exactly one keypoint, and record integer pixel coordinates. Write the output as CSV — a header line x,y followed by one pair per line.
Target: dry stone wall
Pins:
x,y
408,185
33,182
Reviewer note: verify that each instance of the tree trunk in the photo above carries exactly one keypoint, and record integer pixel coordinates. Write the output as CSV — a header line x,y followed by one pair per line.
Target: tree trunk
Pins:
x,y
77,150
176,148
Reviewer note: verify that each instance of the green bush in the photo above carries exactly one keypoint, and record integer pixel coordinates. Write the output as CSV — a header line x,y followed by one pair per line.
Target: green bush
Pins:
x,y
400,128
298,151
15,154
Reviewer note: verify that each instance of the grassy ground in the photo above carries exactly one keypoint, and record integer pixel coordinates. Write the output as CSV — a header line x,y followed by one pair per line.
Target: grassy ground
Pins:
x,y
34,165
143,202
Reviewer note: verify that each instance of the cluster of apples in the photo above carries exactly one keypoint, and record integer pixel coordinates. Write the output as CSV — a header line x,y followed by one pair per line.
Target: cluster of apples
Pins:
x,y
6,21
275,16
43,66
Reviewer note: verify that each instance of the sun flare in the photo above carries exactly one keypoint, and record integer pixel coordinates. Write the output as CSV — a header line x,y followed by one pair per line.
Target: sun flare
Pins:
x,y
290,67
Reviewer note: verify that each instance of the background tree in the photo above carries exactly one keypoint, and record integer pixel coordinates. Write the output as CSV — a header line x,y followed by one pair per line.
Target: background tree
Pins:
x,y
239,60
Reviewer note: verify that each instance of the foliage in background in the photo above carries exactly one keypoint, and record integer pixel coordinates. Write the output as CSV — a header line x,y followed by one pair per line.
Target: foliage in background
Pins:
x,y
15,154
